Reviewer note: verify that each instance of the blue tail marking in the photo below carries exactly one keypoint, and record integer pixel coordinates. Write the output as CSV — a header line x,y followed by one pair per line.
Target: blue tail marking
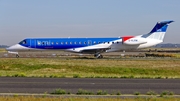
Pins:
x,y
161,26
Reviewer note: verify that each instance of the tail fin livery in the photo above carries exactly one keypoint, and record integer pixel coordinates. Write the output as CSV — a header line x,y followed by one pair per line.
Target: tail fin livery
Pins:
x,y
159,30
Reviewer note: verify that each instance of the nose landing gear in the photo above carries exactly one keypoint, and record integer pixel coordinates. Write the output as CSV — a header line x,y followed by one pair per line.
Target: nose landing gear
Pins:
x,y
16,53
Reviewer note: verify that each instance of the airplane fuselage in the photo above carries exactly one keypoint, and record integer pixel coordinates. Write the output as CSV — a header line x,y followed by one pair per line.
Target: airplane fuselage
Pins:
x,y
78,44
94,46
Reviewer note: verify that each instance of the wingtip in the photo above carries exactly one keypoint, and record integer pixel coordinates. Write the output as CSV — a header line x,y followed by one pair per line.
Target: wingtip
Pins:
x,y
167,21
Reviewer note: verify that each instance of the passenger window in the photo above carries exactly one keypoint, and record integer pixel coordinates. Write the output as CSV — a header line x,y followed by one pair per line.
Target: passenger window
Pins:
x,y
70,42
74,42
66,43
62,43
52,43
94,42
112,42
84,42
56,43
79,42
89,42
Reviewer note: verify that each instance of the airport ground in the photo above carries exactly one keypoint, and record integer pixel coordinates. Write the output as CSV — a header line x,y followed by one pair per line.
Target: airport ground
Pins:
x,y
81,89
113,66
119,65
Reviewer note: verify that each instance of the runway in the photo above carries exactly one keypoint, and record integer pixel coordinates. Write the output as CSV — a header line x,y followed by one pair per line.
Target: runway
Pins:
x,y
125,86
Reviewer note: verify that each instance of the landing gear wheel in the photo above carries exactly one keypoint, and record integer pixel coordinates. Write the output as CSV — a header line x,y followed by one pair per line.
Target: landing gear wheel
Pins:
x,y
17,56
99,56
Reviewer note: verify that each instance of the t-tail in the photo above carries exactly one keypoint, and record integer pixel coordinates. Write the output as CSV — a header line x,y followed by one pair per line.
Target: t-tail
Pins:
x,y
159,30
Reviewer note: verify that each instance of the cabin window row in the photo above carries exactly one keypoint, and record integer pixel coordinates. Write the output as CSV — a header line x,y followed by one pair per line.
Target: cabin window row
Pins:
x,y
81,43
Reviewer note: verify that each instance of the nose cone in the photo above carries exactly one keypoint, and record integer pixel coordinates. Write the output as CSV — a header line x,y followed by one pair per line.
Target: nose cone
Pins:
x,y
15,47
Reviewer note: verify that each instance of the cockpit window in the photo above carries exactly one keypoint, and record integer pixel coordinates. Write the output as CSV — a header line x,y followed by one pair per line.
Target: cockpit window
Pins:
x,y
23,42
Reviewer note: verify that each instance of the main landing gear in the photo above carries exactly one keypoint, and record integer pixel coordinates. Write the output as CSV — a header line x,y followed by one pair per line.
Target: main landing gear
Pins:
x,y
17,55
98,55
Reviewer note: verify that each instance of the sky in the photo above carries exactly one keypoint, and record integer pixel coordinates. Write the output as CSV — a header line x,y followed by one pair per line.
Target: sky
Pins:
x,y
20,19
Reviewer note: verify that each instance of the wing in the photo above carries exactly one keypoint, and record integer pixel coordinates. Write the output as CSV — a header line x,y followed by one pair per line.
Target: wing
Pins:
x,y
93,51
100,48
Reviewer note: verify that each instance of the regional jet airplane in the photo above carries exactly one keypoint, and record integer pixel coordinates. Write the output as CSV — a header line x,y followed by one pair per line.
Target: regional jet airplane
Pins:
x,y
94,46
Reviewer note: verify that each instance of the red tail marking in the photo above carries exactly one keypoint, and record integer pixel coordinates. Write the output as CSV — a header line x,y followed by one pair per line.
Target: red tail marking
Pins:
x,y
126,38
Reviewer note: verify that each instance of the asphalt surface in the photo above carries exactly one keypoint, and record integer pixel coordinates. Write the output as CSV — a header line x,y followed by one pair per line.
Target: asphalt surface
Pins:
x,y
125,86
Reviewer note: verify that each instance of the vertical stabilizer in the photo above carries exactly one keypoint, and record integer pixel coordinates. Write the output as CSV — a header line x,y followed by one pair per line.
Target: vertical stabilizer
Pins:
x,y
159,30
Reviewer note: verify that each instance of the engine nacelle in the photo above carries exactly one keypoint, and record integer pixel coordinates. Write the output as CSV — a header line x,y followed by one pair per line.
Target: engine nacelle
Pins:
x,y
134,41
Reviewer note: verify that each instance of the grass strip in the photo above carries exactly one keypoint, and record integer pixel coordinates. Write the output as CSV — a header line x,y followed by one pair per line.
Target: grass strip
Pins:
x,y
90,68
33,98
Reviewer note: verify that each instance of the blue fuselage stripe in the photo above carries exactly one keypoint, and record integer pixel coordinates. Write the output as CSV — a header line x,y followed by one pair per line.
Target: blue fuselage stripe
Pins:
x,y
63,43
